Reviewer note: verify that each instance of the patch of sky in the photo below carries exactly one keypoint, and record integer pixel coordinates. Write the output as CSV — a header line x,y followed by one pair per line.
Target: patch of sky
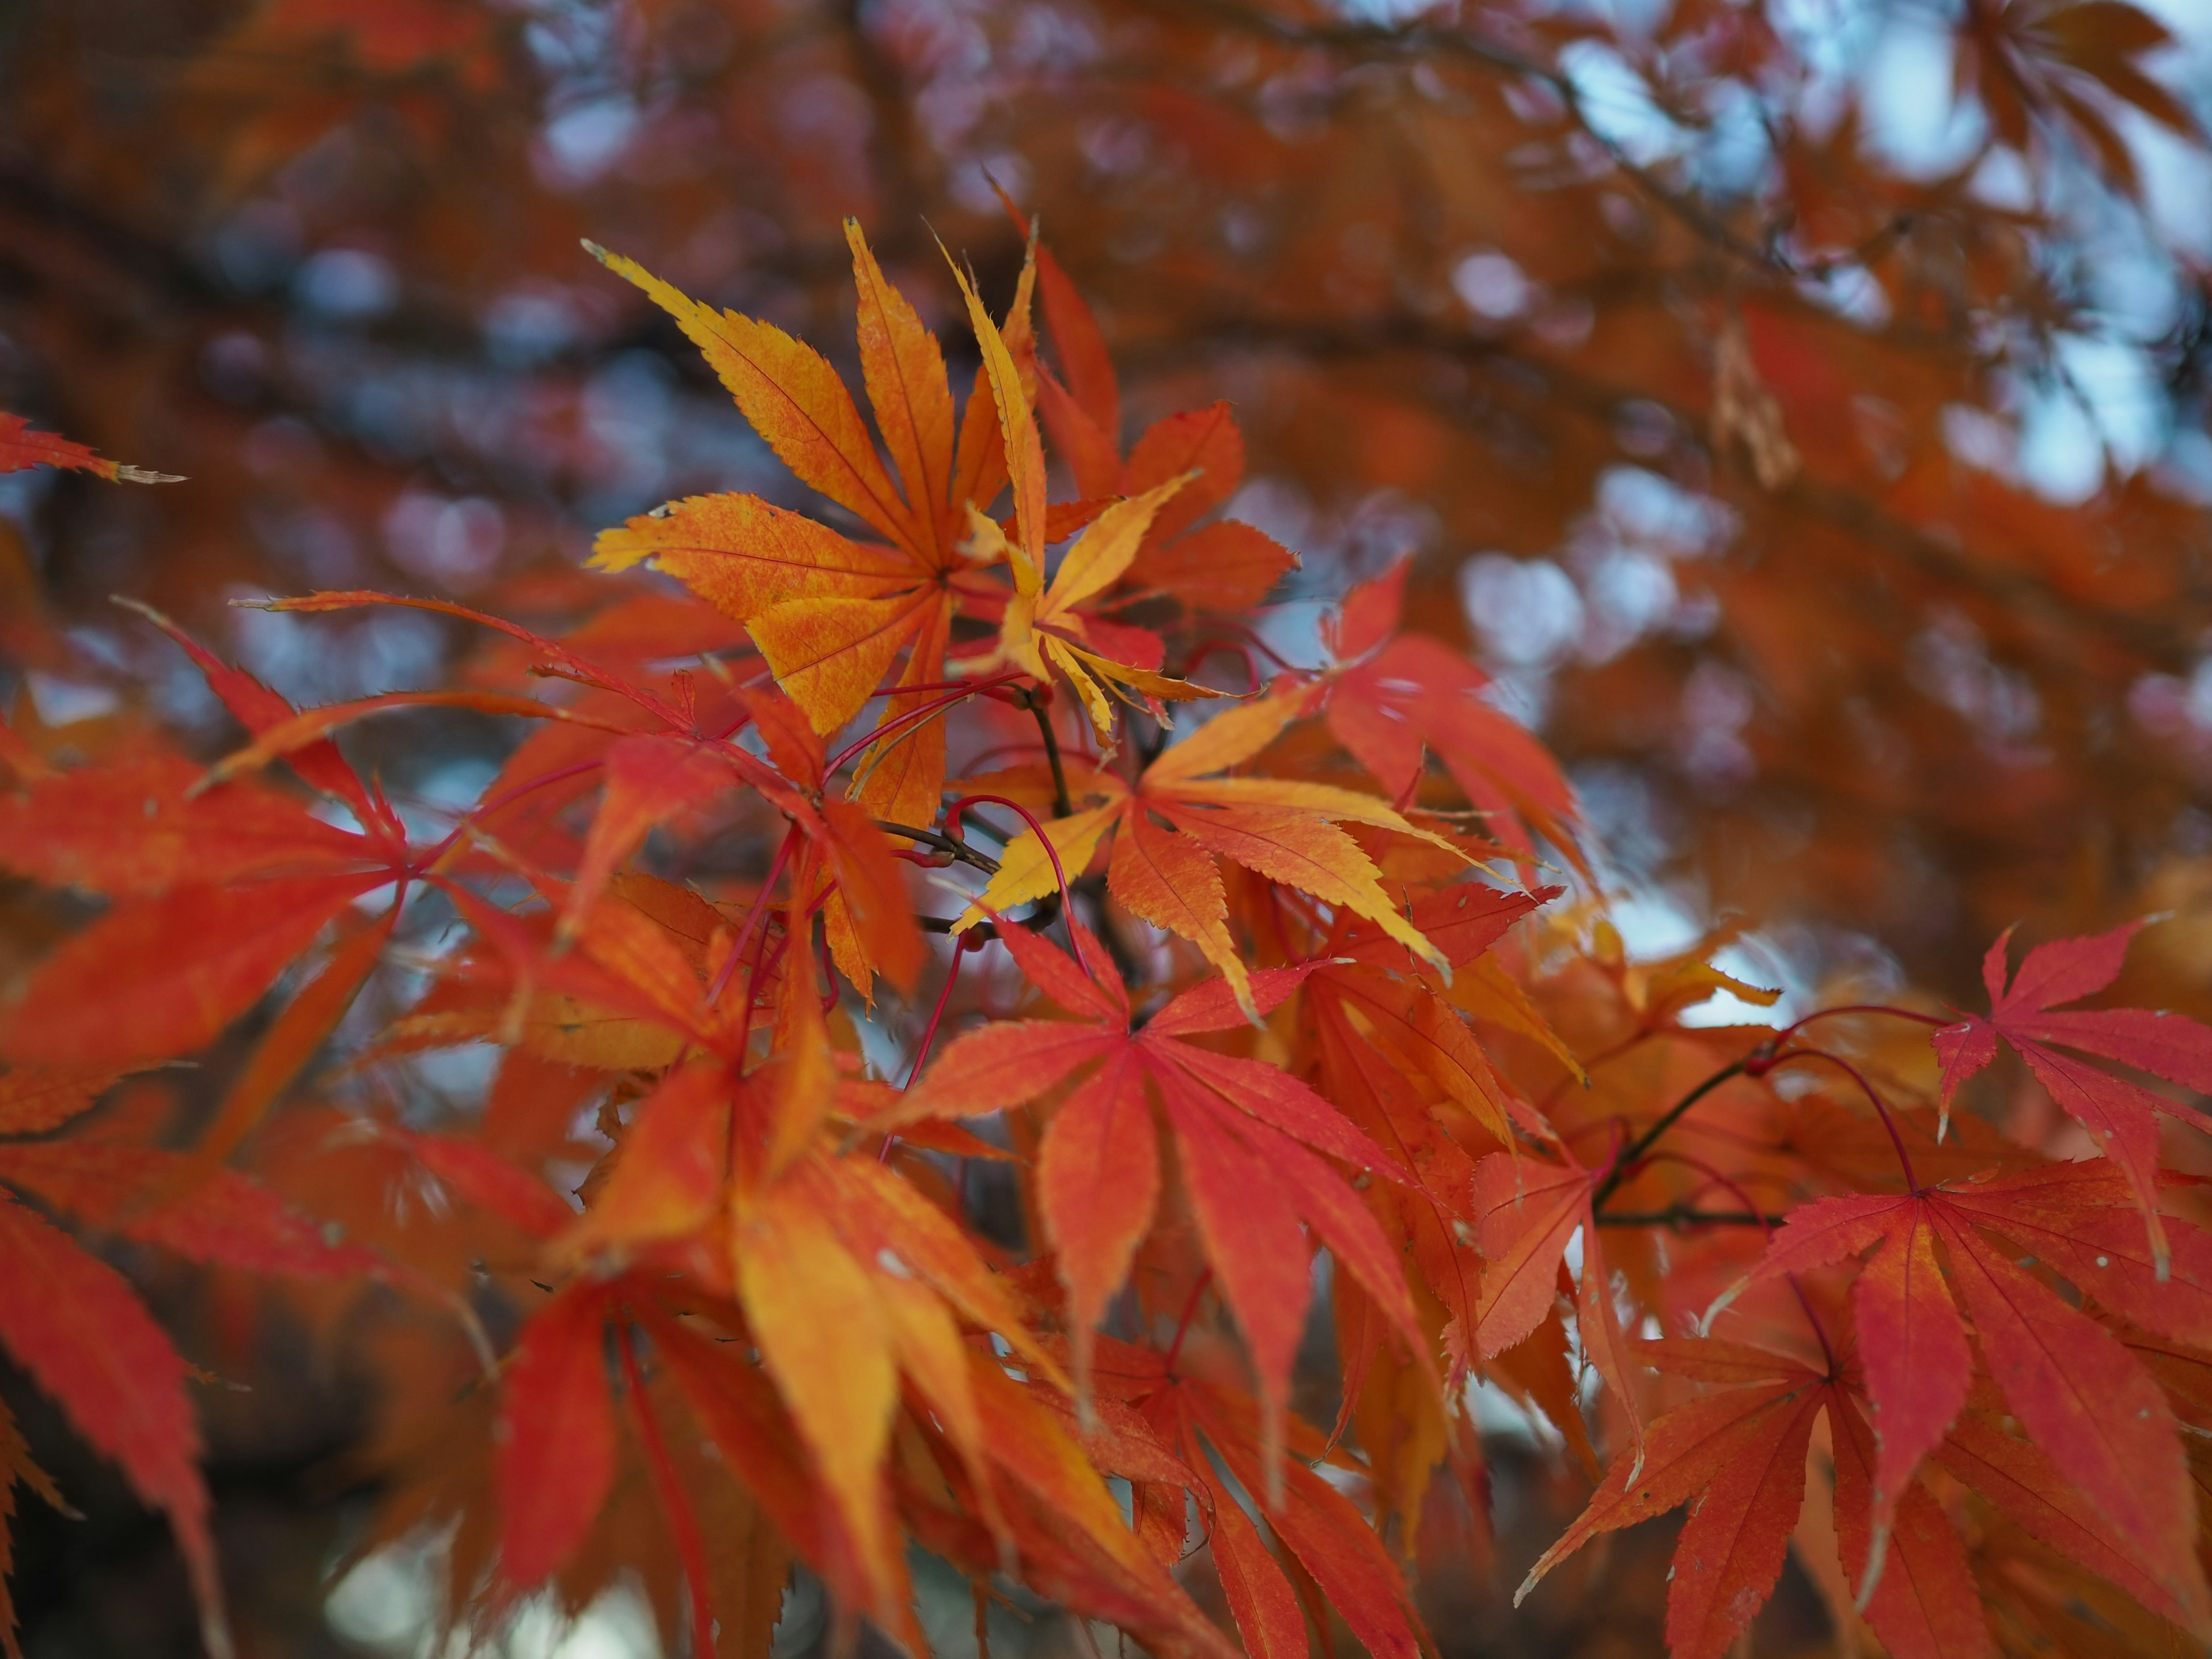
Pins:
x,y
2116,383
2061,453
443,794
1914,123
1618,105
62,701
316,660
1735,151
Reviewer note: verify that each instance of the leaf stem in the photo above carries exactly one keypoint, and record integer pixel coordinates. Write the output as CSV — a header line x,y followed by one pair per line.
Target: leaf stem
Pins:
x,y
1791,1030
960,949
1066,900
1634,1152
884,732
1766,1226
1211,646
1904,1159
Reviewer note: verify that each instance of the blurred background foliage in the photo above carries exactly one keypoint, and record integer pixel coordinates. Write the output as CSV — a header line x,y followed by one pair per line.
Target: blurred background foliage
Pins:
x,y
1799,405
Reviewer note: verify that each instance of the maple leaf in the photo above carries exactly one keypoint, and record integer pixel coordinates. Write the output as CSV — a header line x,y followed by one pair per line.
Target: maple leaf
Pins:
x,y
1041,628
678,765
1392,694
1392,996
1341,1567
20,447
1042,631
1232,1119
225,1218
164,976
1526,1214
1043,1474
74,1324
843,1278
132,826
1738,1457
2035,62
259,709
1432,1215
1226,566
218,890
1384,1035
2089,1403
1925,1604
556,1434
75,1327
2019,1481
2121,1116
829,613
34,1098
1283,828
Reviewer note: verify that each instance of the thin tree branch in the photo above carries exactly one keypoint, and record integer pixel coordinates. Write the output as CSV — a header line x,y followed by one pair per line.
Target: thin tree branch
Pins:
x,y
1062,805
950,845
1642,1143
1380,41
1680,1216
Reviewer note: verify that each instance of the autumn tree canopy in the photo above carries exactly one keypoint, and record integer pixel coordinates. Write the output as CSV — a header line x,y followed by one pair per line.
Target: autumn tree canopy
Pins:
x,y
1238,826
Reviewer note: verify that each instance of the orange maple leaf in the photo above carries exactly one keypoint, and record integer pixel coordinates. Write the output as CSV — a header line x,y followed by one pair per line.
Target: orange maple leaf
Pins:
x,y
1283,828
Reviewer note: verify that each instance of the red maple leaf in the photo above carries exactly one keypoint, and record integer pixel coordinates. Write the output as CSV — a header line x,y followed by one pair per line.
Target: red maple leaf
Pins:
x,y
1242,1128
2121,1116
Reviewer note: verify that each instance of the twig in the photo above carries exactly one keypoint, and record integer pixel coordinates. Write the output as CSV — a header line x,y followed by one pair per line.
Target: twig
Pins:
x,y
1382,40
953,846
1046,912
1636,1148
1682,1215
1062,806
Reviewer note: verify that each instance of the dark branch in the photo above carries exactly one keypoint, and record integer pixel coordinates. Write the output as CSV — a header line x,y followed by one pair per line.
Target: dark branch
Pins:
x,y
1634,1149
953,846
1379,41
1047,912
1062,805
1681,1216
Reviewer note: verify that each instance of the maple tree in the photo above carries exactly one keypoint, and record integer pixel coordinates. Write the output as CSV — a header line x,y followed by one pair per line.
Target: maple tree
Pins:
x,y
995,965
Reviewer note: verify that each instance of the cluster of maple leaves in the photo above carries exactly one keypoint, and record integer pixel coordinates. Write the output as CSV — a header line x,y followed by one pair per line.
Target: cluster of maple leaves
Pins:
x,y
1254,982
